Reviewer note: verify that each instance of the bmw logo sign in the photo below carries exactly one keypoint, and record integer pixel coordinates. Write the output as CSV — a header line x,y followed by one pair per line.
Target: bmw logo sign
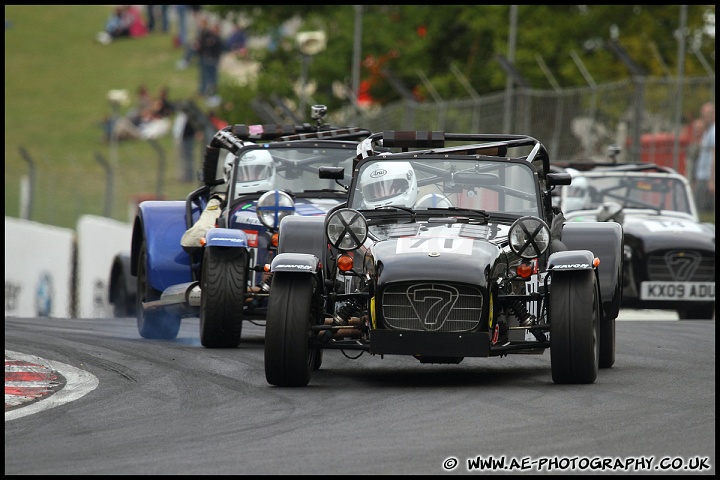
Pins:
x,y
44,295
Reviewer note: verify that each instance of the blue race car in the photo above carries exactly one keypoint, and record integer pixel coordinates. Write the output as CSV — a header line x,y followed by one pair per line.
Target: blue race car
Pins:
x,y
268,172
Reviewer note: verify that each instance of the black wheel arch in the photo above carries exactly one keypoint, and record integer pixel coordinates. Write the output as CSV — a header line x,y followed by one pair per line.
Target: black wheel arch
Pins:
x,y
605,240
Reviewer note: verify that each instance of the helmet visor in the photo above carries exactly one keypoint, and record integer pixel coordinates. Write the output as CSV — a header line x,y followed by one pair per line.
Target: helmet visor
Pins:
x,y
383,189
253,173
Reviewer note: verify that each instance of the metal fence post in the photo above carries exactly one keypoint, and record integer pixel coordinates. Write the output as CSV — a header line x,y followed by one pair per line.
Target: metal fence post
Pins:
x,y
27,215
107,209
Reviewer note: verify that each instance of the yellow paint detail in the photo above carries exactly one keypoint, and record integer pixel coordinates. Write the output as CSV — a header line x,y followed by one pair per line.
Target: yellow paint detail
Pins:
x,y
490,312
372,312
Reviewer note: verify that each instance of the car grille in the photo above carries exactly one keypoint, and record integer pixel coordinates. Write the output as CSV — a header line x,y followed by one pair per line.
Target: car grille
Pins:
x,y
432,306
681,266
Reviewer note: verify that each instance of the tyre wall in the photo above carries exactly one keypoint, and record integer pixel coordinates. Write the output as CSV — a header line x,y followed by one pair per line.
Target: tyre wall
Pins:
x,y
99,239
58,272
38,269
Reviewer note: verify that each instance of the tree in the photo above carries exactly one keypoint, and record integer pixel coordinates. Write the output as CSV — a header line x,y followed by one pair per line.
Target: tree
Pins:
x,y
407,39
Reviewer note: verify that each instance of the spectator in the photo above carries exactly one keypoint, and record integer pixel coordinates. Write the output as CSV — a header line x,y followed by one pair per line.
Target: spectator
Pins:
x,y
163,107
704,186
148,119
125,21
151,11
144,103
236,43
156,120
181,35
115,125
138,28
210,49
187,129
696,130
183,39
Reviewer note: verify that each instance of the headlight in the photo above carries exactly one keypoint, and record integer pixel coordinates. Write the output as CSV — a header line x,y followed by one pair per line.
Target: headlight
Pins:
x,y
346,229
529,237
273,206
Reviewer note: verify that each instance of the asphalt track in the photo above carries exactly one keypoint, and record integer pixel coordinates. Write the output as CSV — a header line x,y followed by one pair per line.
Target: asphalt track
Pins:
x,y
30,379
113,403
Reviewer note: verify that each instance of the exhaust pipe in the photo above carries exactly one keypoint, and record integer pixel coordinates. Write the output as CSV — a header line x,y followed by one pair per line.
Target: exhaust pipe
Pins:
x,y
177,298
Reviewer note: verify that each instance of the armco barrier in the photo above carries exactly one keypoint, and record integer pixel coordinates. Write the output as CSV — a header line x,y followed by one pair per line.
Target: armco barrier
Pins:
x,y
99,239
38,269
40,279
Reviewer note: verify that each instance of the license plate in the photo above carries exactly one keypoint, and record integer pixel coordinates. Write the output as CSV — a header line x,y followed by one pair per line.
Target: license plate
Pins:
x,y
677,291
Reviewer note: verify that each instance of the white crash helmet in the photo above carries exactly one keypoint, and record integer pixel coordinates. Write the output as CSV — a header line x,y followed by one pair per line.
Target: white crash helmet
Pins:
x,y
228,163
433,200
255,171
577,195
389,183
227,166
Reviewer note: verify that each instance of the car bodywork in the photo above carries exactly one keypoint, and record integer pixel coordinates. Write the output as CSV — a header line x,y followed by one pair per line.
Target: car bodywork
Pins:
x,y
222,280
669,253
474,262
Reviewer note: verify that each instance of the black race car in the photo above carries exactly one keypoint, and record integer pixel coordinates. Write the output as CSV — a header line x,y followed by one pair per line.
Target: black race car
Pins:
x,y
669,253
444,252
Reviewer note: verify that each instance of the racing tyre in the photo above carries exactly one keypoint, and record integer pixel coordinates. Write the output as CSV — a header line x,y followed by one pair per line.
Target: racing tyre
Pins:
x,y
574,311
289,360
607,343
703,311
318,359
152,324
123,306
223,283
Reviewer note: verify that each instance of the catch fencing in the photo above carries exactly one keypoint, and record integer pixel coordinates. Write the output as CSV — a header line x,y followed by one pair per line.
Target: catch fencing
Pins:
x,y
649,117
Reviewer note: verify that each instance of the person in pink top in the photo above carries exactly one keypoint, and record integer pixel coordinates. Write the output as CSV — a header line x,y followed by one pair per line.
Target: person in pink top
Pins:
x,y
138,27
125,21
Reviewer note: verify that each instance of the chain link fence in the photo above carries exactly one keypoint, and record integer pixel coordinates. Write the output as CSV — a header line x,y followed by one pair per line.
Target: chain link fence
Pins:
x,y
648,117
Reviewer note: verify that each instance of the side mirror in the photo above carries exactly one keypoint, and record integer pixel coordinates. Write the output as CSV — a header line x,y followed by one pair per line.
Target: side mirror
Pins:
x,y
554,179
333,173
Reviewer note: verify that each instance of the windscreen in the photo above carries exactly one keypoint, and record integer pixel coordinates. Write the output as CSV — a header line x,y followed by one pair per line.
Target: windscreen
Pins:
x,y
289,168
427,182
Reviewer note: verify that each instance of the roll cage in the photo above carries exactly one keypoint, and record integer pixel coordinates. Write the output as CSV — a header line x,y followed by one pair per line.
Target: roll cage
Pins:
x,y
414,144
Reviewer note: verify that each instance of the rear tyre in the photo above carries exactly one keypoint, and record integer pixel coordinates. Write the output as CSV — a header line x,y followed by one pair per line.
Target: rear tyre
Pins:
x,y
574,327
121,301
223,284
703,311
289,360
152,324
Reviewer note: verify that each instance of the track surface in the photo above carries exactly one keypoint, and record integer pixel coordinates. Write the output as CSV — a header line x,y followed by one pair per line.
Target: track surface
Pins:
x,y
174,407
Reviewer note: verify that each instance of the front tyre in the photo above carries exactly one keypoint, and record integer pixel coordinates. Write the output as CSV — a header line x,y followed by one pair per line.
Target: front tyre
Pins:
x,y
223,283
607,343
574,311
153,324
289,360
317,363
